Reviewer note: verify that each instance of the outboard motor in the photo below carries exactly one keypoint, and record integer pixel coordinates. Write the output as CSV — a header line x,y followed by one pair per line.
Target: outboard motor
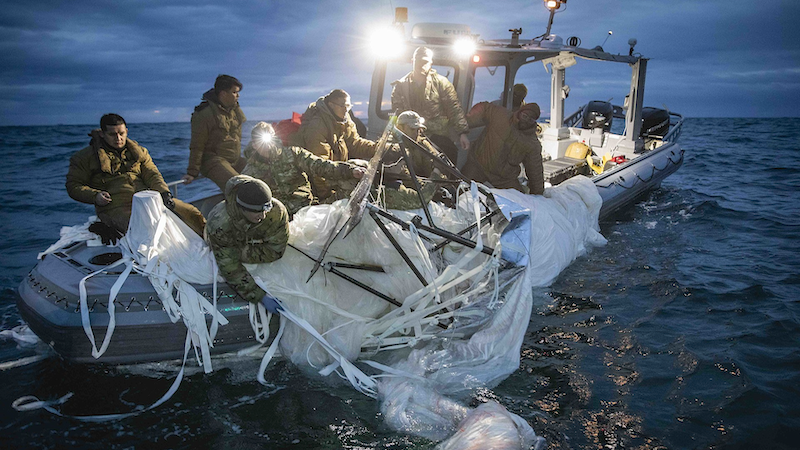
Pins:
x,y
655,122
597,114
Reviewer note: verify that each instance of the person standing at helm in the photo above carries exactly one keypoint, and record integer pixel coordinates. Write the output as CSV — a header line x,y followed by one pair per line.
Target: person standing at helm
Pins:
x,y
328,132
110,170
215,149
249,226
508,140
434,98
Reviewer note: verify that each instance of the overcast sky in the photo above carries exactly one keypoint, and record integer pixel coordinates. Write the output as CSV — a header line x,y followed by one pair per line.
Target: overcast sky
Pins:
x,y
69,62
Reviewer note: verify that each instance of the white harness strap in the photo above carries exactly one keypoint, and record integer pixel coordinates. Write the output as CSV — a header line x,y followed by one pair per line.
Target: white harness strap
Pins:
x,y
87,327
30,403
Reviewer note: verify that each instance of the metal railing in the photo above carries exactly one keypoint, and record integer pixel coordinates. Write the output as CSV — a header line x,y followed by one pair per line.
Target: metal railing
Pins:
x,y
173,187
674,129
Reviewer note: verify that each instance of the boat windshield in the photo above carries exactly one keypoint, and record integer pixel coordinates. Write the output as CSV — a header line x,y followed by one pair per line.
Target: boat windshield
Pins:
x,y
489,84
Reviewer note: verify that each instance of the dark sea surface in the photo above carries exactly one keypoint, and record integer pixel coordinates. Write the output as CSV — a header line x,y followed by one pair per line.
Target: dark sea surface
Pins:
x,y
682,333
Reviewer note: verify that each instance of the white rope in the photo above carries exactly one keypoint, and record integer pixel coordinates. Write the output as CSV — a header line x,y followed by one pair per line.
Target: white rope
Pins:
x,y
271,351
30,403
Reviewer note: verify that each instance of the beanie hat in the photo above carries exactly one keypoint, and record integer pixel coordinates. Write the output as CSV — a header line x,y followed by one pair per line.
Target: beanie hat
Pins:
x,y
532,108
254,196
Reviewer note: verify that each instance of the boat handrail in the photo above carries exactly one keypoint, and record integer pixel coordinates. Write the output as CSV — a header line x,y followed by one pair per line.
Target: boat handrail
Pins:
x,y
574,118
173,186
675,130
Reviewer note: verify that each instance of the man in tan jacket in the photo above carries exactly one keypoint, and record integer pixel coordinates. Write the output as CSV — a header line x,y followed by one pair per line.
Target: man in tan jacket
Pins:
x,y
111,169
328,132
508,140
216,146
433,97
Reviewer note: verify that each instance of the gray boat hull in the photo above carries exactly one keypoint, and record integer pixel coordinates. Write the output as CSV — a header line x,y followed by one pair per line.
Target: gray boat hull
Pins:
x,y
622,185
49,302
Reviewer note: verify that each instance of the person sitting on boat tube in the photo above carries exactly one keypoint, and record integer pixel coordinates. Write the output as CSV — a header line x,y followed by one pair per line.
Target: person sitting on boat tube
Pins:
x,y
508,140
249,226
110,170
328,132
216,145
434,98
287,169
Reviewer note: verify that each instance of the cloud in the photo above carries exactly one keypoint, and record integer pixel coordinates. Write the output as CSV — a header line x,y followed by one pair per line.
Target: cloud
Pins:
x,y
70,62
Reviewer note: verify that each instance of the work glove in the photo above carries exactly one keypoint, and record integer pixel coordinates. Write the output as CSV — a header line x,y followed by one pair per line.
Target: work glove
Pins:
x,y
271,303
166,197
108,235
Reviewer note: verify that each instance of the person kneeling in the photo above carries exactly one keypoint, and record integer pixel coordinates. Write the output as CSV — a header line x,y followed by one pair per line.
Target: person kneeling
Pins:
x,y
249,226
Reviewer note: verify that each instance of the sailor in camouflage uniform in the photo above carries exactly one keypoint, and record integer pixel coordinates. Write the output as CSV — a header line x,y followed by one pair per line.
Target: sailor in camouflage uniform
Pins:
x,y
287,169
249,226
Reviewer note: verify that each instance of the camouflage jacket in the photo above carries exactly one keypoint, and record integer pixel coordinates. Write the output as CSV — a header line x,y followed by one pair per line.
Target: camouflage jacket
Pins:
x,y
216,133
121,173
438,104
234,240
500,149
286,171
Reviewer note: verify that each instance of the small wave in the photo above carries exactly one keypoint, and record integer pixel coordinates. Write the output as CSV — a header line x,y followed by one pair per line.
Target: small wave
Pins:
x,y
73,144
179,141
741,140
567,304
781,170
51,159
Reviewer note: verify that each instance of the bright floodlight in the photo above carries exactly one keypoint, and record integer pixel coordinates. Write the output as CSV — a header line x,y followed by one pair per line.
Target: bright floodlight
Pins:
x,y
464,47
387,43
552,4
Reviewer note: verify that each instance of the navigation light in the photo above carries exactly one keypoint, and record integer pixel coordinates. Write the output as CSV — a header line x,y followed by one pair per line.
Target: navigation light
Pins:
x,y
553,5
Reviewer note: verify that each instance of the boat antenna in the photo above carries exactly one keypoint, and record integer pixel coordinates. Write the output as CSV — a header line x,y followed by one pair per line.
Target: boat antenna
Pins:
x,y
606,39
552,6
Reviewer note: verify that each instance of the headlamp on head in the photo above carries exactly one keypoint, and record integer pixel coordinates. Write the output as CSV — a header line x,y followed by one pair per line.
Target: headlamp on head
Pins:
x,y
263,134
265,138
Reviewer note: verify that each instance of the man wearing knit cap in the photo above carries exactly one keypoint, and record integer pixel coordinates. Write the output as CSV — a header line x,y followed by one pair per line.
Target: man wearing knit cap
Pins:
x,y
249,226
328,132
518,94
508,140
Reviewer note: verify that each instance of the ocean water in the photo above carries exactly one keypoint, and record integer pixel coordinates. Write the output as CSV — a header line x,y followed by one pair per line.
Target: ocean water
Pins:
x,y
682,333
